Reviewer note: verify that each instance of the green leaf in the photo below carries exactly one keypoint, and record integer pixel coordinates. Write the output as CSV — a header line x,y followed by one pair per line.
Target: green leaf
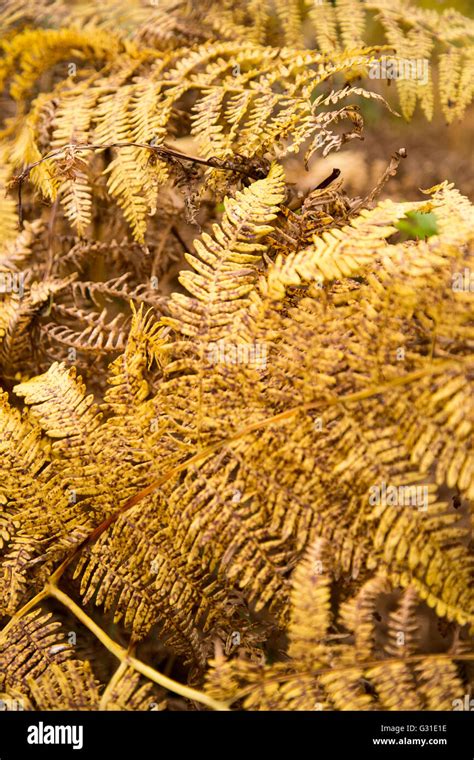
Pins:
x,y
418,225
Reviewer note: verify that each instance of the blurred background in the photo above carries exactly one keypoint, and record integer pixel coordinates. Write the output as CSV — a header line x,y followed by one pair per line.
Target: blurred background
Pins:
x,y
435,150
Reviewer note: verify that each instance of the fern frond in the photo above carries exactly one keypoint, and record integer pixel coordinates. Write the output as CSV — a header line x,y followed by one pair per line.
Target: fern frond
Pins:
x,y
24,149
225,270
328,675
311,602
123,182
440,683
290,19
67,686
324,21
34,643
267,107
57,400
16,315
71,125
449,76
15,253
8,211
416,46
277,464
156,585
328,260
359,615
39,663
350,15
403,627
126,691
33,51
39,520
465,93
100,336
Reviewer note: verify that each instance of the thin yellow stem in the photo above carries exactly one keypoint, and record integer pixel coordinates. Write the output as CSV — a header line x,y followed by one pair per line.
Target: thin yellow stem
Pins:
x,y
146,670
362,666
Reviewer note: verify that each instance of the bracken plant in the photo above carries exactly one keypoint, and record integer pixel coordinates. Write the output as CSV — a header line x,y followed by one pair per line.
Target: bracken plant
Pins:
x,y
236,473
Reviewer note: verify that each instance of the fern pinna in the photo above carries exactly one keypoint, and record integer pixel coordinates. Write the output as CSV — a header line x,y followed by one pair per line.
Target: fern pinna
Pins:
x,y
236,421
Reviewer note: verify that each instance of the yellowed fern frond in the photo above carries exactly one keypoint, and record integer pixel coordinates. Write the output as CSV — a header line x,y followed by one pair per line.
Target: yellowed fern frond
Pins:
x,y
34,51
277,464
8,209
126,691
337,253
324,21
66,686
41,665
311,602
289,14
350,15
332,675
226,268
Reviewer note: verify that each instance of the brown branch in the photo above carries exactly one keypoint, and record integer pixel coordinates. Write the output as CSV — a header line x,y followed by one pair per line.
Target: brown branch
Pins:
x,y
250,169
326,182
389,172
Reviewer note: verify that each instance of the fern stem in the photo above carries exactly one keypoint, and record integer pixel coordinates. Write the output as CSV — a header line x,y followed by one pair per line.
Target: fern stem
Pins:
x,y
160,150
146,670
163,150
363,666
